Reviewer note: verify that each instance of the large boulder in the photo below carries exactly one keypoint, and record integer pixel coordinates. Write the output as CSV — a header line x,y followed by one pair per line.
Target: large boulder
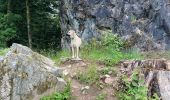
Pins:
x,y
90,17
27,75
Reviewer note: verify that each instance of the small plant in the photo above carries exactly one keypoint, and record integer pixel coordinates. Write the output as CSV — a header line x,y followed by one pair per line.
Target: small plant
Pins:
x,y
3,51
155,97
110,40
133,19
101,96
133,88
65,95
108,69
90,76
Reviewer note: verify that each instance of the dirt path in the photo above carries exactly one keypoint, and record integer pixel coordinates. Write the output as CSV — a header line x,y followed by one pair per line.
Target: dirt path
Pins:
x,y
81,91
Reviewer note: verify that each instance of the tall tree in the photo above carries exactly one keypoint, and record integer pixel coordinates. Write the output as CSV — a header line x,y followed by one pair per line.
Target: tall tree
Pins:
x,y
9,6
28,24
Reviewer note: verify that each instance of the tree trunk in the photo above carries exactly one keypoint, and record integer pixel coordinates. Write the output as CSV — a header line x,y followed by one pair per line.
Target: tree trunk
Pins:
x,y
9,6
28,24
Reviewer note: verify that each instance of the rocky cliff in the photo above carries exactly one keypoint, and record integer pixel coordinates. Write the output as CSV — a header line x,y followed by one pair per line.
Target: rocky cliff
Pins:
x,y
90,17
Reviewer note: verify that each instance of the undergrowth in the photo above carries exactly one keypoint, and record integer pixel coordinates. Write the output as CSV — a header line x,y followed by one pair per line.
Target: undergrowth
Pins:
x,y
90,76
65,95
132,88
101,96
109,50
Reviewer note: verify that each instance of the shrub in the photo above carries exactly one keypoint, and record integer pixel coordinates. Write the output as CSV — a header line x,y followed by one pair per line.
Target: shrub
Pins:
x,y
132,88
112,41
7,27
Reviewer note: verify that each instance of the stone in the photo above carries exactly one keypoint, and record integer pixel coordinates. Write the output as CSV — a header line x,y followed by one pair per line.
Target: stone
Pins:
x,y
27,75
65,72
107,76
110,72
73,75
85,89
108,81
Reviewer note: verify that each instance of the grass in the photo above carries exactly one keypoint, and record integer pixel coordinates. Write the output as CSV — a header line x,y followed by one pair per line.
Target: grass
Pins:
x,y
109,56
56,56
90,76
59,55
3,51
65,95
157,55
101,96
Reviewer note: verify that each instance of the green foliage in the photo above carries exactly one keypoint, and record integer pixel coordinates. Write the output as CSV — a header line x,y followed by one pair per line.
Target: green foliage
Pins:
x,y
3,51
110,40
133,18
90,76
7,27
45,26
65,95
133,88
133,54
108,50
107,69
101,96
59,55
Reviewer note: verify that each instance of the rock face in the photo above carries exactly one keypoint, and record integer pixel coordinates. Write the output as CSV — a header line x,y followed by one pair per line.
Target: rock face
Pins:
x,y
26,75
156,73
90,17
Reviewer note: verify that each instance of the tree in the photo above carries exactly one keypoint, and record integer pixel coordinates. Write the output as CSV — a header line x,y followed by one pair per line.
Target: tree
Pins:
x,y
34,23
28,24
9,6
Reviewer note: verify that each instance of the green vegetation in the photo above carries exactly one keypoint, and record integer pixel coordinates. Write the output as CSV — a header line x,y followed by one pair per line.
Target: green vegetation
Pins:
x,y
43,26
108,50
133,18
65,95
3,51
101,96
56,55
90,76
133,87
7,27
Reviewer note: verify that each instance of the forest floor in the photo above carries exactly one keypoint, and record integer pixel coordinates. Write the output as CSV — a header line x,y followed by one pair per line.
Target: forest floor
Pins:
x,y
89,87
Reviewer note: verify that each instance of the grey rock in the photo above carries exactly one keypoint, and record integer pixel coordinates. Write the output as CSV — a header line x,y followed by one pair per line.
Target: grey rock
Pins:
x,y
27,75
85,89
89,17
